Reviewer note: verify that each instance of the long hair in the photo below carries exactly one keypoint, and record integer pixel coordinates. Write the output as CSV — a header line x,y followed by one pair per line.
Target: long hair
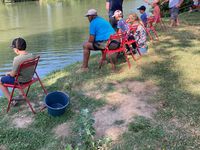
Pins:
x,y
134,18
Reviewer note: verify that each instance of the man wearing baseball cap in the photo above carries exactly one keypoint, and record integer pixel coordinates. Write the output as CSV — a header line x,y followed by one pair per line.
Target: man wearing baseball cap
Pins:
x,y
100,31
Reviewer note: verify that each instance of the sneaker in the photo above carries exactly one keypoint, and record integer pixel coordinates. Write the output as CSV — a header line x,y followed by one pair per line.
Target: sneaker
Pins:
x,y
134,51
14,102
18,98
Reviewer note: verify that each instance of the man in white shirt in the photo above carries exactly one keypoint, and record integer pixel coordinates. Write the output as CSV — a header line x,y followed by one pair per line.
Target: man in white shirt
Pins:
x,y
174,10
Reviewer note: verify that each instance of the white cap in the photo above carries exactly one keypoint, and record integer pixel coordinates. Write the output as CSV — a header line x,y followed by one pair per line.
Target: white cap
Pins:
x,y
91,12
117,13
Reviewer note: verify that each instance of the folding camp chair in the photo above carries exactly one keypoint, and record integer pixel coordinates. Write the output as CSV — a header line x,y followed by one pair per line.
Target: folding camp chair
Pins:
x,y
31,65
109,52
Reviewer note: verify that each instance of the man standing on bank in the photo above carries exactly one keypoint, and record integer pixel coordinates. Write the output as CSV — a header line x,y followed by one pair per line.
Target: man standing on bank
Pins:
x,y
111,7
100,31
174,6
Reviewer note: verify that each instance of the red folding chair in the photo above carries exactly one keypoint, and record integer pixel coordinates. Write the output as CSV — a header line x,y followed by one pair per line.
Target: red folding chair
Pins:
x,y
109,52
31,65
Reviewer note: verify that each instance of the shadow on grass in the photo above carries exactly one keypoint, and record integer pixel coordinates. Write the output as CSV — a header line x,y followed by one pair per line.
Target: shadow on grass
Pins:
x,y
179,115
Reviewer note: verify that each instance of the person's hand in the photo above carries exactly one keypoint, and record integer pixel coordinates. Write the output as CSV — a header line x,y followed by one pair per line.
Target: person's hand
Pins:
x,y
7,73
163,2
178,5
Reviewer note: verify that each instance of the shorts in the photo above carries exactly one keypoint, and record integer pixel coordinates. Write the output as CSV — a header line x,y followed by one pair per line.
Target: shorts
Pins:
x,y
143,50
174,13
99,45
7,80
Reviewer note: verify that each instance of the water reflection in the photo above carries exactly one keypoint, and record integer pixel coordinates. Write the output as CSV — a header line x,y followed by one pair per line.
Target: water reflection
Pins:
x,y
53,30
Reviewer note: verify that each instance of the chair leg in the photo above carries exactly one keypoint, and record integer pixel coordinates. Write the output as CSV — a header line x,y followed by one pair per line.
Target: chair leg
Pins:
x,y
27,100
45,91
103,57
10,100
113,66
27,90
127,60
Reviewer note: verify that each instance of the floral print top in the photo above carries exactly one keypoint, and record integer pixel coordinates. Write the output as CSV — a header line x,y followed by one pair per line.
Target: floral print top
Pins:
x,y
140,36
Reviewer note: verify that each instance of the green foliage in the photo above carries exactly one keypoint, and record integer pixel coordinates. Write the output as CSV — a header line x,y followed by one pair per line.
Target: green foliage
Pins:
x,y
85,134
140,123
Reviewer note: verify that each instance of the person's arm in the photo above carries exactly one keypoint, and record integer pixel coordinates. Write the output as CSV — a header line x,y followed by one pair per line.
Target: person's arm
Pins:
x,y
165,1
107,5
179,4
11,73
91,39
146,1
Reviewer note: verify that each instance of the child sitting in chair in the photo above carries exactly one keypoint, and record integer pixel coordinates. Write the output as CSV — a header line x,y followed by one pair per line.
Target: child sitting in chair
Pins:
x,y
140,33
122,26
19,47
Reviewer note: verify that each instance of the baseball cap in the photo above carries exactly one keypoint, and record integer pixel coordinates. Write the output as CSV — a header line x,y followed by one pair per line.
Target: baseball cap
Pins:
x,y
117,13
91,12
19,43
142,8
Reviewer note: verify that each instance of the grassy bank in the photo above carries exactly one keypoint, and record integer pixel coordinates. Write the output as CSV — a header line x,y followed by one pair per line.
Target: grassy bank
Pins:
x,y
172,66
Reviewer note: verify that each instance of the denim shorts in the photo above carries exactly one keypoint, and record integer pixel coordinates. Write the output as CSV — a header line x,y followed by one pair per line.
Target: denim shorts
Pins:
x,y
174,13
7,80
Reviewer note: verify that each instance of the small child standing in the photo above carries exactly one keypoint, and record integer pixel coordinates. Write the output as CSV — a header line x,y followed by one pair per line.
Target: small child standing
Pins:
x,y
156,10
143,16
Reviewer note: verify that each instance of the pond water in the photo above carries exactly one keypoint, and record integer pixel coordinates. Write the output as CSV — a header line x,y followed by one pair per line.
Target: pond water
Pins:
x,y
55,30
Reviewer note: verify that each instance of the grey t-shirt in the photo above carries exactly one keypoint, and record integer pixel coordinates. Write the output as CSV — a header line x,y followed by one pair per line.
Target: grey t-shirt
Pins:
x,y
25,74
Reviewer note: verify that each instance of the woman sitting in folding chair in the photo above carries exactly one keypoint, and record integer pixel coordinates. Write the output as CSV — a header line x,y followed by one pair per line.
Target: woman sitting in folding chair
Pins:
x,y
19,47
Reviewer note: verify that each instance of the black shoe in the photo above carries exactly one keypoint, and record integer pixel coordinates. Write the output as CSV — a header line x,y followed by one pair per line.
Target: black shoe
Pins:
x,y
134,51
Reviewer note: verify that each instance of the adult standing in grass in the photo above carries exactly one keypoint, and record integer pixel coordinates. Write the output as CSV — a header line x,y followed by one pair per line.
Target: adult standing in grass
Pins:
x,y
174,6
111,7
100,31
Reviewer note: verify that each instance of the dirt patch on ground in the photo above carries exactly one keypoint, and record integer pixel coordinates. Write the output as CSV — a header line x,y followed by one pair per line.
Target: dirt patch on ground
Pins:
x,y
62,130
129,100
21,121
2,147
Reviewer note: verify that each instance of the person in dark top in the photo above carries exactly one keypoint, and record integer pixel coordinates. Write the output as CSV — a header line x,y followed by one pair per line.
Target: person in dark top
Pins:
x,y
143,16
111,7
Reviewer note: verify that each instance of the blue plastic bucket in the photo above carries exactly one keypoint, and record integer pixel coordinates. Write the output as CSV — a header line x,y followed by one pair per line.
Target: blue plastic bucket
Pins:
x,y
56,103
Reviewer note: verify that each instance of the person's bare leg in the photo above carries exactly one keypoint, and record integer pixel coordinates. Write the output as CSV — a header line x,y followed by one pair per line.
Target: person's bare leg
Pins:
x,y
177,21
87,46
5,91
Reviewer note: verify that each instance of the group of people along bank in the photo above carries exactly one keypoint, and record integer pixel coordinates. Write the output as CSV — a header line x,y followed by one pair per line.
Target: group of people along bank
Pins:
x,y
100,29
